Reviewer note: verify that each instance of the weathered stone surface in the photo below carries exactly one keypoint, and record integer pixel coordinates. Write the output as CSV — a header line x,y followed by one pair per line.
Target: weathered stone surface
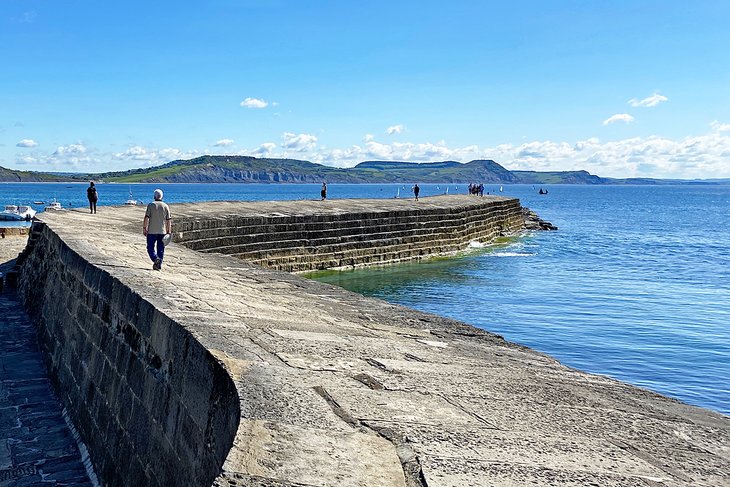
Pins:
x,y
308,235
331,388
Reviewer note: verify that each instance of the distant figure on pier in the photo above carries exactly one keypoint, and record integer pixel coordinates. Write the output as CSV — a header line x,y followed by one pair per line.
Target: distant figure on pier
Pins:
x,y
416,190
156,226
481,189
93,197
323,193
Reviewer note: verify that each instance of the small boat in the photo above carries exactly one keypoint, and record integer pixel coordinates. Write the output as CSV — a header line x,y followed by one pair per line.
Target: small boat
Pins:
x,y
54,205
131,201
39,202
20,213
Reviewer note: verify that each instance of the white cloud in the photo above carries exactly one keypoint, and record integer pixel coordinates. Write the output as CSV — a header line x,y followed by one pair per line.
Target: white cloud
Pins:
x,y
224,143
70,150
698,156
254,103
27,17
72,157
265,149
692,157
136,152
153,157
395,129
720,127
27,143
619,117
649,101
299,142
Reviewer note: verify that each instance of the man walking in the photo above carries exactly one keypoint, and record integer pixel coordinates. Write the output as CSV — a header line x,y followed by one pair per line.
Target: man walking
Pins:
x,y
157,223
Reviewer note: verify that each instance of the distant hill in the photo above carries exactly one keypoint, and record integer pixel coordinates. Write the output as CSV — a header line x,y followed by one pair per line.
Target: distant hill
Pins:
x,y
245,169
13,176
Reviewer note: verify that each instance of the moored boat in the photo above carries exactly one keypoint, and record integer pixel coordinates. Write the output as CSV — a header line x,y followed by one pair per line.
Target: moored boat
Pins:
x,y
54,205
131,201
15,212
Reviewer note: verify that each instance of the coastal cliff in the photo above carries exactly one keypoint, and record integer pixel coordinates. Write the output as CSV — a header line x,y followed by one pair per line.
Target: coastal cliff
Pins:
x,y
246,169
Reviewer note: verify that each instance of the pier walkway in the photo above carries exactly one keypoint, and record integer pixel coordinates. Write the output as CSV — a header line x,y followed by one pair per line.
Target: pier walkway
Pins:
x,y
36,445
336,389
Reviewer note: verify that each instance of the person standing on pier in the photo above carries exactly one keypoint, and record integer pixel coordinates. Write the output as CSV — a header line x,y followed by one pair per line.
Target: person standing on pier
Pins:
x,y
156,225
93,197
323,193
416,190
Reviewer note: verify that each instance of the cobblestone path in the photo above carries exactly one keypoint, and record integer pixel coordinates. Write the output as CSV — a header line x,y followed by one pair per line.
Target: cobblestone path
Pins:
x,y
36,445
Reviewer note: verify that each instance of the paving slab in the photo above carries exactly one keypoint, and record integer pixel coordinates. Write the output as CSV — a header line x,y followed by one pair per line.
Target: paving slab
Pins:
x,y
36,444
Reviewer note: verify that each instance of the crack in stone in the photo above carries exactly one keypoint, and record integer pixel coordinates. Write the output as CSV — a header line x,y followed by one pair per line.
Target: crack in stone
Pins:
x,y
410,356
336,408
470,413
411,464
369,381
649,459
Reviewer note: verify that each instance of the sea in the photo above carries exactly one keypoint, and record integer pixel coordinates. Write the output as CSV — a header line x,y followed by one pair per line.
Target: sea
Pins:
x,y
634,285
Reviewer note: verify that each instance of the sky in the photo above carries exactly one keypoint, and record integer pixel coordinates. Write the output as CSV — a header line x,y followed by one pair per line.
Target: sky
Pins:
x,y
618,88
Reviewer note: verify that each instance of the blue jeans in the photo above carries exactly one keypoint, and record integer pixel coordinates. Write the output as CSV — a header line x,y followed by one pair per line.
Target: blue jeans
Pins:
x,y
152,239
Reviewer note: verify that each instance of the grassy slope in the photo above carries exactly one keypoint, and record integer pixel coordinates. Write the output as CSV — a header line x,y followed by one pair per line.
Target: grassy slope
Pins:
x,y
11,175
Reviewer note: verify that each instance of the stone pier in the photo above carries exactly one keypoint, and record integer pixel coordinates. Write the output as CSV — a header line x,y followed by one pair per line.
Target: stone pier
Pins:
x,y
219,371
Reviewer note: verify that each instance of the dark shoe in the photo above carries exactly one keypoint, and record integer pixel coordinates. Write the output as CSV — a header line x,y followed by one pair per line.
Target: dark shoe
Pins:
x,y
157,265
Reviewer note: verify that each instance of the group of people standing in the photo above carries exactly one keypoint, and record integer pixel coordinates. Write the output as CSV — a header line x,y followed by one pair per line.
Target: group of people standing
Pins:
x,y
476,189
156,225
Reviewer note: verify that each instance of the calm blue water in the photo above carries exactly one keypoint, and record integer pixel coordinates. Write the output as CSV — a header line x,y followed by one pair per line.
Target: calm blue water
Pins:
x,y
635,284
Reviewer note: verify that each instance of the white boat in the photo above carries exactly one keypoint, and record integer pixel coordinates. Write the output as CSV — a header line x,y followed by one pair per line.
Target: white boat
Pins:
x,y
131,201
13,212
54,205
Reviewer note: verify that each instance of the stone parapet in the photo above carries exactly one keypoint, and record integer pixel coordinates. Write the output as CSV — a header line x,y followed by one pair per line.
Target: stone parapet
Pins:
x,y
151,403
351,233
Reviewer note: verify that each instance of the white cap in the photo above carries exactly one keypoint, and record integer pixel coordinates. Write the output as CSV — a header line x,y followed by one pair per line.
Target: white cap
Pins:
x,y
158,194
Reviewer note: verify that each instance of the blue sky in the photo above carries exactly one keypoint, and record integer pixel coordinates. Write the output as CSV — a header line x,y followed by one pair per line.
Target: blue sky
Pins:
x,y
619,88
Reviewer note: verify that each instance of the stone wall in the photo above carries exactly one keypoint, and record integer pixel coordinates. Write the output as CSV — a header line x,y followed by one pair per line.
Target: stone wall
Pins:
x,y
151,403
331,239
